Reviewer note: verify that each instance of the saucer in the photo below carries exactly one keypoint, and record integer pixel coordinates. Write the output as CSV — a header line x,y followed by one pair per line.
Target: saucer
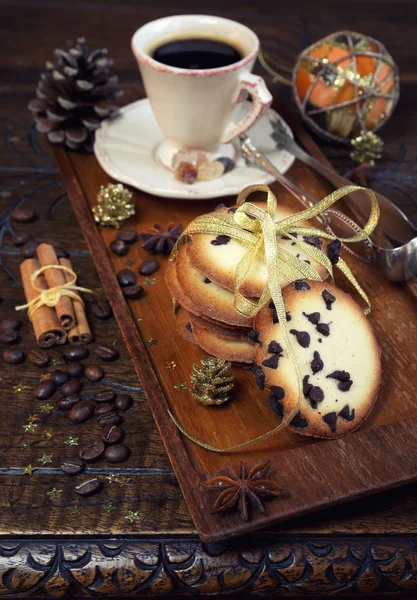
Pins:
x,y
125,149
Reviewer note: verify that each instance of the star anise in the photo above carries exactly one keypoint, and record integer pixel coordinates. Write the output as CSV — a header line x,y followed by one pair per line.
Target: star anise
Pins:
x,y
158,240
243,491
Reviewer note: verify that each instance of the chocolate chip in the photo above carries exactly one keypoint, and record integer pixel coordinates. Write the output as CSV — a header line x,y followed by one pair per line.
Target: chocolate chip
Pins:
x,y
303,338
306,386
92,451
111,434
133,292
275,402
232,210
149,266
271,362
344,386
106,353
76,370
110,419
9,336
207,280
117,453
81,411
127,235
102,310
313,240
67,402
10,323
24,215
328,298
316,395
59,377
106,395
126,277
259,376
253,335
301,285
72,466
316,363
39,358
71,387
333,251
313,317
88,487
20,238
119,247
220,240
299,421
13,357
76,353
331,419
323,328
123,401
103,409
275,319
45,390
346,414
94,373
339,375
275,348
188,326
28,250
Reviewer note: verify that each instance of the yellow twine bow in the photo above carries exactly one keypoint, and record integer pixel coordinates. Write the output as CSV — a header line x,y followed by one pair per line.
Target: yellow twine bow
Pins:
x,y
256,229
51,296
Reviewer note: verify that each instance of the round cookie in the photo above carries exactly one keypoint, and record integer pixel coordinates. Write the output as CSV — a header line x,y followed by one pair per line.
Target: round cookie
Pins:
x,y
236,333
336,351
207,297
183,324
217,257
175,290
234,350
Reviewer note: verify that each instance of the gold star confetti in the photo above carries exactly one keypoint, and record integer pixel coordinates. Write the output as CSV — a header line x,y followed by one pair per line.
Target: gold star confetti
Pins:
x,y
45,377
132,516
29,427
19,387
46,408
5,194
56,361
180,386
75,510
45,458
152,342
171,365
54,493
28,470
33,418
149,281
25,445
123,481
111,478
108,507
129,262
71,441
47,434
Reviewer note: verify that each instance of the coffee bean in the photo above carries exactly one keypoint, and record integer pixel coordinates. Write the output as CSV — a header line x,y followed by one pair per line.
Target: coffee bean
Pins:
x,y
133,292
102,409
105,353
119,247
149,266
92,451
81,411
10,323
13,357
126,277
39,358
67,402
75,370
24,215
74,386
105,396
127,235
111,434
88,487
117,453
94,373
76,353
59,377
28,250
110,419
60,252
9,336
72,466
102,310
124,401
20,238
45,389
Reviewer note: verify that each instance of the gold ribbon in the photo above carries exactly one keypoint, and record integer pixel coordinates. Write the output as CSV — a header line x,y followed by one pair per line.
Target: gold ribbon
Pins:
x,y
256,229
50,297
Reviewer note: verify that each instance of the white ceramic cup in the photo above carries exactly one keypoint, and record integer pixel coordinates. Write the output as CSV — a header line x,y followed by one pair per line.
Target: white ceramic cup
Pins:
x,y
193,107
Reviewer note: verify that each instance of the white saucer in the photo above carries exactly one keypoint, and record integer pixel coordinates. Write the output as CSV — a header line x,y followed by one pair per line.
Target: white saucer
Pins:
x,y
125,149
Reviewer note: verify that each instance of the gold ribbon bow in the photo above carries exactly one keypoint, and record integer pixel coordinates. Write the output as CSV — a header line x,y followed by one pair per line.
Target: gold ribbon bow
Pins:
x,y
256,229
50,297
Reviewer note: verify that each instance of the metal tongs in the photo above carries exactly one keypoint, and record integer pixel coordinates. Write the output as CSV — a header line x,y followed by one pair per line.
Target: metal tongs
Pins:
x,y
397,263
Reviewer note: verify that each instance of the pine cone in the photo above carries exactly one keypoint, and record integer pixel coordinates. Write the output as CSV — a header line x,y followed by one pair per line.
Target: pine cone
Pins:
x,y
212,381
74,95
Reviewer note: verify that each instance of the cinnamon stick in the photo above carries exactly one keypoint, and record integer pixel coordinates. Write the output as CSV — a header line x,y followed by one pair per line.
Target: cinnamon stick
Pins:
x,y
54,277
81,332
45,323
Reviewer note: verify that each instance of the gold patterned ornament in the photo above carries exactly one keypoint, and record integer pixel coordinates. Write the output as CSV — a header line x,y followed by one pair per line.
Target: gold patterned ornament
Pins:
x,y
367,147
212,381
113,205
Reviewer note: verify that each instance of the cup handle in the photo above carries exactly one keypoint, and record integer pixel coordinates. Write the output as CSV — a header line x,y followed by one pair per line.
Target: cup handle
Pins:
x,y
261,98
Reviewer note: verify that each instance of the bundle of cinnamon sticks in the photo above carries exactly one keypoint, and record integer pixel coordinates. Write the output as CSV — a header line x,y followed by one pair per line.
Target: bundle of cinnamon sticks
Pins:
x,y
65,321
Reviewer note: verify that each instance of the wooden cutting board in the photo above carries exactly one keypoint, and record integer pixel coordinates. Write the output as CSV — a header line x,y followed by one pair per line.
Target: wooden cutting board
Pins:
x,y
314,473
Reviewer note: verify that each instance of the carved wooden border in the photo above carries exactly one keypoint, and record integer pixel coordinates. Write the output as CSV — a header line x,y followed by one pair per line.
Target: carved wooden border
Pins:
x,y
267,566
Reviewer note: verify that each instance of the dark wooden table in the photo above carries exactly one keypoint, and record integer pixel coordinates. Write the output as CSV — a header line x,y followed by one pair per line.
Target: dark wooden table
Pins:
x,y
62,545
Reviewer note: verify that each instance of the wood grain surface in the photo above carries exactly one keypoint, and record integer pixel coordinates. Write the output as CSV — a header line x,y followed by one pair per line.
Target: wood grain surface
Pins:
x,y
382,527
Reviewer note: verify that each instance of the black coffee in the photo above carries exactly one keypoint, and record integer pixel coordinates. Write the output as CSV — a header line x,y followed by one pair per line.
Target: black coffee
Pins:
x,y
197,53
